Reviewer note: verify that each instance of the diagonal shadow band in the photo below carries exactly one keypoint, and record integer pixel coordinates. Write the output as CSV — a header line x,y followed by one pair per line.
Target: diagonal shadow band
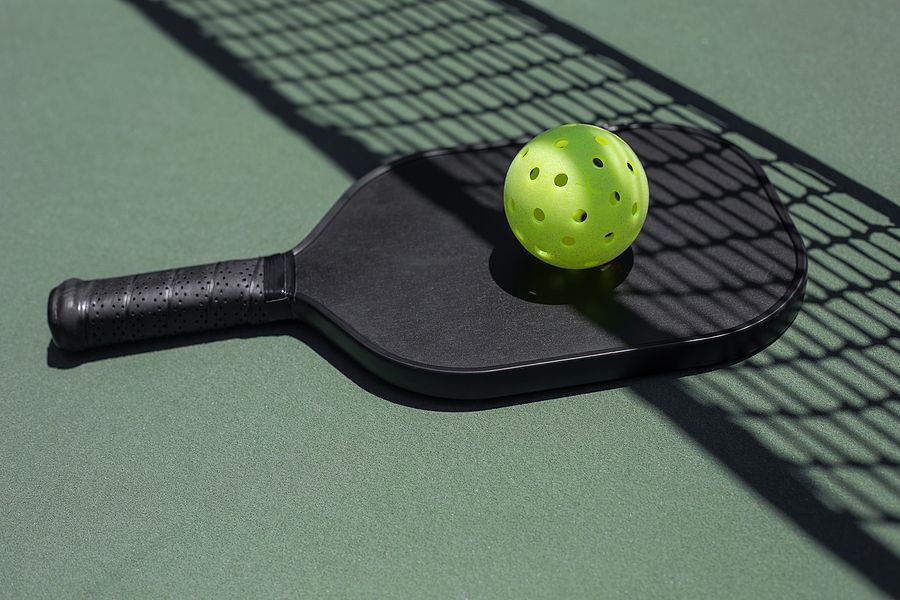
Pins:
x,y
410,73
346,152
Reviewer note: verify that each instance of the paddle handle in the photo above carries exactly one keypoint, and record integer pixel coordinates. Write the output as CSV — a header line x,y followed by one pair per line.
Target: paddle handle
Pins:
x,y
88,314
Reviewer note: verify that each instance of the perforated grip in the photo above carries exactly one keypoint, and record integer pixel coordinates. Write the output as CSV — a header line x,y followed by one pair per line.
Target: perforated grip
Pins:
x,y
87,314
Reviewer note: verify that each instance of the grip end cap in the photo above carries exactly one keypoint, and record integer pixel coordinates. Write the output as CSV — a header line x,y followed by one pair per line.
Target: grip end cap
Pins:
x,y
65,316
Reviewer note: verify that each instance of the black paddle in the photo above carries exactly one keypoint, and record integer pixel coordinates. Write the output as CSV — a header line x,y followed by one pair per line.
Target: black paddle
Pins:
x,y
415,273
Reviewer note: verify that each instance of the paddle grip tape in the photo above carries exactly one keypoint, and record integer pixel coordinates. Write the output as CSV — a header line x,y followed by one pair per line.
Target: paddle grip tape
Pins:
x,y
88,314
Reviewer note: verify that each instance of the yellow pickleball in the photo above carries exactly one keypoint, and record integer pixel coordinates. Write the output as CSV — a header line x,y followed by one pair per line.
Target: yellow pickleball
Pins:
x,y
576,196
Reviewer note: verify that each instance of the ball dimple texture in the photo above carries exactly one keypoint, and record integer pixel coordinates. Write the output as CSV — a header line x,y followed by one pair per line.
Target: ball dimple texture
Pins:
x,y
576,196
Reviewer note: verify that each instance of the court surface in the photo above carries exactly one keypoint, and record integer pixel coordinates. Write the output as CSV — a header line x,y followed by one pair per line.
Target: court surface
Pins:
x,y
261,462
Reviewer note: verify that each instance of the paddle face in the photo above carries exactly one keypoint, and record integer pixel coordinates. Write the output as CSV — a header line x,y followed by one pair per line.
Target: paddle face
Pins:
x,y
416,273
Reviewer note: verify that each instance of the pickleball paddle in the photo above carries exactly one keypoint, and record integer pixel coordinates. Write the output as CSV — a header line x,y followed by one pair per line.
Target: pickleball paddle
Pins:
x,y
415,273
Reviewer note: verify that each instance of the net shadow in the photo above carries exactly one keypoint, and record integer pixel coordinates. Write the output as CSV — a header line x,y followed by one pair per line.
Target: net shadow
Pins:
x,y
811,423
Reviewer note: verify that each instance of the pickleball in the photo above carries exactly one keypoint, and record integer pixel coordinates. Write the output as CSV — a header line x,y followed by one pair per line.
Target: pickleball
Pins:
x,y
576,196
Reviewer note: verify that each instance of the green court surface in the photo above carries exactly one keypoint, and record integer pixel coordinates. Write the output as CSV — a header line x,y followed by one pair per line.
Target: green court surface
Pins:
x,y
261,462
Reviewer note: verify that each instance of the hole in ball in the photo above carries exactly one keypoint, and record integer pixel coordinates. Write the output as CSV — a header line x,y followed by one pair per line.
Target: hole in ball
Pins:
x,y
602,140
579,216
609,237
598,163
562,143
630,167
614,198
561,180
634,209
538,215
524,152
534,173
568,241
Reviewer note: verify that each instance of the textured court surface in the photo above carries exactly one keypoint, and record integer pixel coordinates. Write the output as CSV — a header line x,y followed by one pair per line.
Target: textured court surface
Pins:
x,y
257,463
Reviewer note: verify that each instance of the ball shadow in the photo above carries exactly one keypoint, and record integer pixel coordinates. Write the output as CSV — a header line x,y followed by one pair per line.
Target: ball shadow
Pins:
x,y
522,275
